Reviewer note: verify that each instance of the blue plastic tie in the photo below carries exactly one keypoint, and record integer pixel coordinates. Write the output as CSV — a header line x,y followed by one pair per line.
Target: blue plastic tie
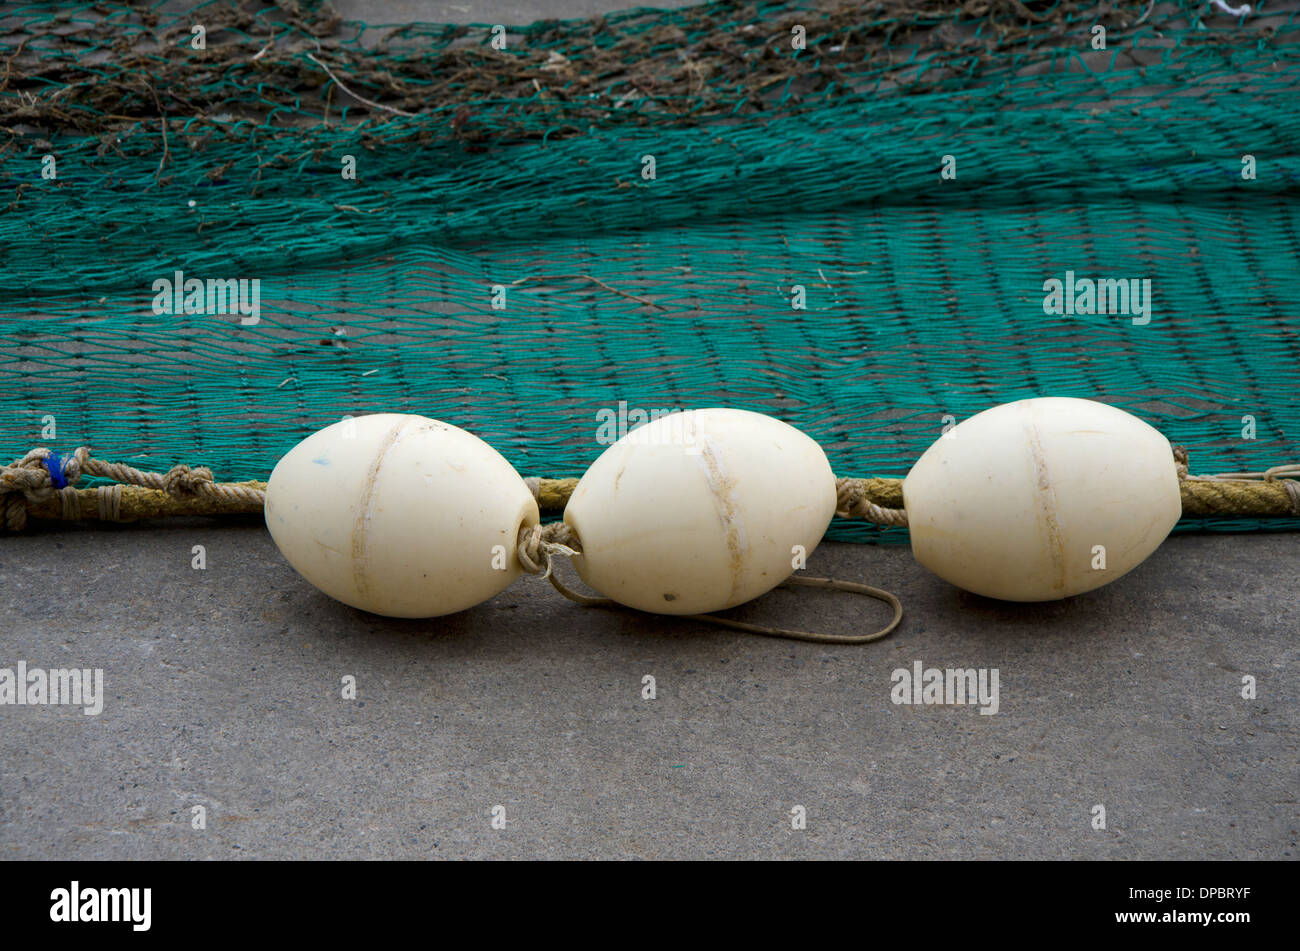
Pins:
x,y
54,466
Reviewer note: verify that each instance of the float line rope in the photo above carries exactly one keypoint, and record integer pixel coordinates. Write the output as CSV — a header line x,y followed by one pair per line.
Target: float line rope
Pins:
x,y
42,485
1239,493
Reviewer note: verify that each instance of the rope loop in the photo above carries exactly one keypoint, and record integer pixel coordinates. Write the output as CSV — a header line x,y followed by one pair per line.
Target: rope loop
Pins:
x,y
833,584
539,544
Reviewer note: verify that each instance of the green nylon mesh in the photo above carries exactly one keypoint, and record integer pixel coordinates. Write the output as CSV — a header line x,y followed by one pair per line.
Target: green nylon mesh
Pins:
x,y
524,168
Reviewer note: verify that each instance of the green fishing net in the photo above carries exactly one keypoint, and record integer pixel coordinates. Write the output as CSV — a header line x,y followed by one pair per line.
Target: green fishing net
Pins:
x,y
845,215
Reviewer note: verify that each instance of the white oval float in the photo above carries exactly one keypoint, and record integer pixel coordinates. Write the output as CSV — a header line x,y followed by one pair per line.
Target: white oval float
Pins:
x,y
399,515
1029,500
700,511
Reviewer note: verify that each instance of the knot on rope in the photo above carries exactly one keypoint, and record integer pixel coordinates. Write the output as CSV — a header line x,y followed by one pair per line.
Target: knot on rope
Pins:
x,y
538,544
186,482
851,502
36,477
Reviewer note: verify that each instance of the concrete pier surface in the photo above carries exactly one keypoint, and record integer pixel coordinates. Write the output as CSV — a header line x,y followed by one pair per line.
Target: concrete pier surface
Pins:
x,y
224,689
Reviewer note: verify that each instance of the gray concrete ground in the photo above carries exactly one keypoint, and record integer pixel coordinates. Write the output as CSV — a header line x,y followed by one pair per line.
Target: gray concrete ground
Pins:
x,y
223,690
